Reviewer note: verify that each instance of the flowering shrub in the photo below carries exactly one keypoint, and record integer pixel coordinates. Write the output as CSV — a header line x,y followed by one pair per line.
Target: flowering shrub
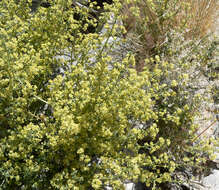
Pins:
x,y
72,117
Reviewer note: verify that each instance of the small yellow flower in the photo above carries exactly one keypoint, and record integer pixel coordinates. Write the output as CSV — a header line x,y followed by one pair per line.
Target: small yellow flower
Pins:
x,y
174,83
80,151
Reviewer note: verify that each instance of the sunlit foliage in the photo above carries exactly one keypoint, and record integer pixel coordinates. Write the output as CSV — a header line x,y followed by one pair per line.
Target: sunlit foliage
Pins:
x,y
73,117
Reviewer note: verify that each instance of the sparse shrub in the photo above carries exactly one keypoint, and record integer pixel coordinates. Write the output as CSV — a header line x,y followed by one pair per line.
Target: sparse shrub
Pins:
x,y
148,23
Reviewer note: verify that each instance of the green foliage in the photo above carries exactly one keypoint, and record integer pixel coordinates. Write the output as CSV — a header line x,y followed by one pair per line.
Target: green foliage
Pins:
x,y
98,122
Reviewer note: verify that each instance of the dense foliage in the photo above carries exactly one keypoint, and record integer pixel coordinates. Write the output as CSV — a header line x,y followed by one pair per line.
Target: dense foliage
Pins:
x,y
76,115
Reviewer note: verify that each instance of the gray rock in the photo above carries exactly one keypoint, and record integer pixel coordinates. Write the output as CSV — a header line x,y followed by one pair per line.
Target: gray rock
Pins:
x,y
129,186
212,181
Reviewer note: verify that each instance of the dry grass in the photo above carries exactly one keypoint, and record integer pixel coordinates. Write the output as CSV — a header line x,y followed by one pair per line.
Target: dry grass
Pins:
x,y
200,18
195,17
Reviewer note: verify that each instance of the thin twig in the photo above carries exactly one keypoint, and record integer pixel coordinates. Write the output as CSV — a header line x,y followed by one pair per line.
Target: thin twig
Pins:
x,y
41,99
204,130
